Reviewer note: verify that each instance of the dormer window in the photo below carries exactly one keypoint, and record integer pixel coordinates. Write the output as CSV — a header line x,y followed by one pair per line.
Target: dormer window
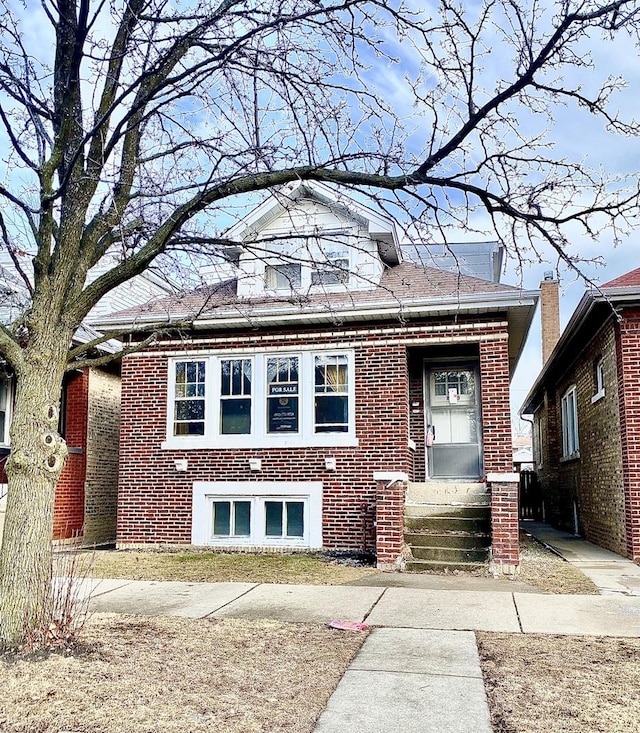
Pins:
x,y
334,272
283,277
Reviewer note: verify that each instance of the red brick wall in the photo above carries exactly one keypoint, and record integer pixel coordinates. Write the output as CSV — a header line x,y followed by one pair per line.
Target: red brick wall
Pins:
x,y
628,353
69,503
155,500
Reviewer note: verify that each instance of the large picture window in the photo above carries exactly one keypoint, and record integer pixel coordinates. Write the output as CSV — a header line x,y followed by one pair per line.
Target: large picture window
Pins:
x,y
569,409
262,400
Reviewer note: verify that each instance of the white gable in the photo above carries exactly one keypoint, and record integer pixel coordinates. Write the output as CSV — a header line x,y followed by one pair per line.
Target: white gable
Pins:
x,y
309,239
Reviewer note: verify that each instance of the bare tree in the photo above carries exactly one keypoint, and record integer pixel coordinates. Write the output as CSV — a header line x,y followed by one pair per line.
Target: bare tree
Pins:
x,y
132,127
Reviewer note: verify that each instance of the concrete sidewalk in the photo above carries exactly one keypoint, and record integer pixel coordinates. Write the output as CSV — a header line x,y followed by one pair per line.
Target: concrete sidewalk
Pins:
x,y
411,681
451,610
610,573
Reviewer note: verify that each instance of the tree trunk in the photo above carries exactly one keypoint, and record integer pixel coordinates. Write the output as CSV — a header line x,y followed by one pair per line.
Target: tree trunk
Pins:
x,y
34,465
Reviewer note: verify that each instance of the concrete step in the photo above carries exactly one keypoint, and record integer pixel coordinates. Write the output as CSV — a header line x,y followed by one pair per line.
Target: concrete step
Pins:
x,y
442,524
462,540
450,555
425,566
445,492
447,510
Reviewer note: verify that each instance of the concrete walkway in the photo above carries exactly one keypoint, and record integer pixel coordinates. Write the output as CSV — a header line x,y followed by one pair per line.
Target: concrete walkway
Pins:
x,y
610,573
418,671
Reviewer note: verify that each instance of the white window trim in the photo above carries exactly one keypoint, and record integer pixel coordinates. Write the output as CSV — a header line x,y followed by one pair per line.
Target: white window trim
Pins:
x,y
570,443
206,492
599,373
259,438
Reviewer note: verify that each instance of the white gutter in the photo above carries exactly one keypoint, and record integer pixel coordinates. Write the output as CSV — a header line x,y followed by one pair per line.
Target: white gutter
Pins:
x,y
427,306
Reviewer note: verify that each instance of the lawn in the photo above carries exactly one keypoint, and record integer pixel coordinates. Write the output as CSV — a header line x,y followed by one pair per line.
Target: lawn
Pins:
x,y
172,675
218,567
561,684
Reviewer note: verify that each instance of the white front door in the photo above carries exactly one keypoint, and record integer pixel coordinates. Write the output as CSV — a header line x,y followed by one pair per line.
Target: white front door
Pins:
x,y
453,443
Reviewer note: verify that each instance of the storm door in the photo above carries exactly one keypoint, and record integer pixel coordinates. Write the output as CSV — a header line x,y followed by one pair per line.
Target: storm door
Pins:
x,y
453,432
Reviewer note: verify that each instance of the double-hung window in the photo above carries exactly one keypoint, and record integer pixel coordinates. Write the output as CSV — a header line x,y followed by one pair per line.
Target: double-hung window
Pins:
x,y
569,415
235,396
263,399
189,398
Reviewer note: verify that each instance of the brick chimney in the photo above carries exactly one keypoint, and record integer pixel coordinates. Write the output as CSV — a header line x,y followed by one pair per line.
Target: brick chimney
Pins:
x,y
549,314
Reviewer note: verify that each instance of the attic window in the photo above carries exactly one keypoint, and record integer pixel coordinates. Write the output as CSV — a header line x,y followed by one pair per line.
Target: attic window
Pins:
x,y
335,272
283,277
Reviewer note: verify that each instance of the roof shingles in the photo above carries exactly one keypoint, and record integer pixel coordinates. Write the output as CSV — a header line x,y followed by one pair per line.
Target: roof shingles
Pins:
x,y
399,286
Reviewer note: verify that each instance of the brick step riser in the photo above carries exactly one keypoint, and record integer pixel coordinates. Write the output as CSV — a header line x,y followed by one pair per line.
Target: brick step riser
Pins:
x,y
467,542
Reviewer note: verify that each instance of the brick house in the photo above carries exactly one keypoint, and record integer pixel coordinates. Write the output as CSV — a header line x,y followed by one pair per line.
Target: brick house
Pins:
x,y
86,494
586,409
324,384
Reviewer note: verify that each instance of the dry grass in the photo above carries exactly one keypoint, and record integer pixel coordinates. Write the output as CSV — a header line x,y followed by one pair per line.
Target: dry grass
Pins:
x,y
549,573
171,675
561,684
218,567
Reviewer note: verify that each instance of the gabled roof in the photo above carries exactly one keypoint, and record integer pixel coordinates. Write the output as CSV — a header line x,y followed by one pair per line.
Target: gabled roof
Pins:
x,y
595,307
381,228
628,280
406,291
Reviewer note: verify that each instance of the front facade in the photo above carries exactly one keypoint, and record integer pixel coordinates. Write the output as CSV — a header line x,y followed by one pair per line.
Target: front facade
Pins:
x,y
315,387
586,408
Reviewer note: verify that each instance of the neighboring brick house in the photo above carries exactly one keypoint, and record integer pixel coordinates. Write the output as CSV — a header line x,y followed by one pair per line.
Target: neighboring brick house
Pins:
x,y
304,401
586,408
86,494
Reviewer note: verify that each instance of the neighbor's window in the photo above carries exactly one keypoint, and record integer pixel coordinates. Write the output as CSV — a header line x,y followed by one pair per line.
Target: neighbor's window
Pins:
x,y
283,277
235,396
569,409
599,377
189,398
5,405
331,394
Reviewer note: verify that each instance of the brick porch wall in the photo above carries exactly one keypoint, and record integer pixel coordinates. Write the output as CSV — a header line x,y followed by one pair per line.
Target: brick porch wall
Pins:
x,y
498,453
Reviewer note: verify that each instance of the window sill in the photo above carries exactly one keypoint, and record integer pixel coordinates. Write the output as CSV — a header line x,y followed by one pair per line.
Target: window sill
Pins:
x,y
571,457
339,440
597,396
